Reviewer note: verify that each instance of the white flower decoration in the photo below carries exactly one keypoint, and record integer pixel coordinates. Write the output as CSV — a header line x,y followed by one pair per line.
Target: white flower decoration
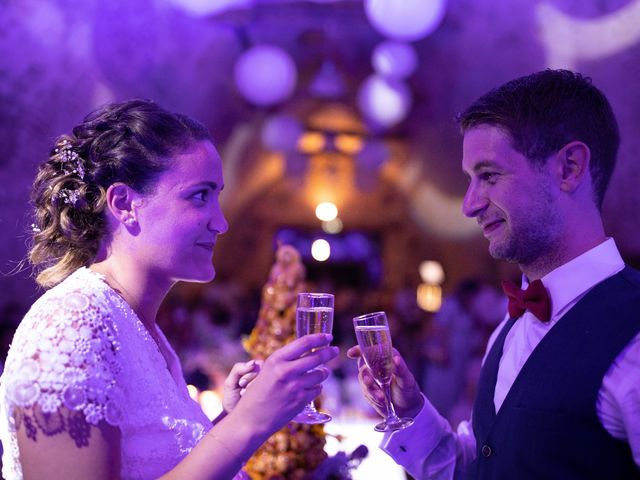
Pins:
x,y
76,302
49,403
25,393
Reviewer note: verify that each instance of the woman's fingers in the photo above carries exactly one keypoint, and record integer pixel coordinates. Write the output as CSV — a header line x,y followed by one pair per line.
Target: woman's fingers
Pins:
x,y
314,359
247,379
302,345
237,372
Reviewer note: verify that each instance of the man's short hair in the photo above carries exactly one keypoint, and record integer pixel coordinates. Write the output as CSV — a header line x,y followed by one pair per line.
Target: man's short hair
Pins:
x,y
544,111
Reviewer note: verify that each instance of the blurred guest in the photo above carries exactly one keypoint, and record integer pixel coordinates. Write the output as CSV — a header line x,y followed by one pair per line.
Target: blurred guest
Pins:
x,y
454,338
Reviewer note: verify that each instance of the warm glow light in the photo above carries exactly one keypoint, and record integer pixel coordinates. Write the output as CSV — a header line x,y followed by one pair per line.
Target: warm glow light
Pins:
x,y
332,226
431,272
320,250
211,403
349,144
326,211
429,297
193,392
311,142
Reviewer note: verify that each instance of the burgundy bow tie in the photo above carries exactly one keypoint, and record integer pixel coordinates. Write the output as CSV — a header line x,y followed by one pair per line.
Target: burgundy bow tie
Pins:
x,y
535,299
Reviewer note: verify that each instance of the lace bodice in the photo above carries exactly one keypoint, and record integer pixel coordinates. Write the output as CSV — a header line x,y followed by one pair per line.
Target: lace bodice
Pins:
x,y
81,354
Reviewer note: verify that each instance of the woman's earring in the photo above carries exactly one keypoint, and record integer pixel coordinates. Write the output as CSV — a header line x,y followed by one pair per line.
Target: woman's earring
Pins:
x,y
130,222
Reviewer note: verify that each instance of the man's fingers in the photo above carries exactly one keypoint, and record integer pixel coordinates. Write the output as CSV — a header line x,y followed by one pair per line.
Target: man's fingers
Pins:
x,y
354,352
403,376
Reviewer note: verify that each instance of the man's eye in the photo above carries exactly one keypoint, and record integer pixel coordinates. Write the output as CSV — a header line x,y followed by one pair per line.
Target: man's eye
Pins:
x,y
488,176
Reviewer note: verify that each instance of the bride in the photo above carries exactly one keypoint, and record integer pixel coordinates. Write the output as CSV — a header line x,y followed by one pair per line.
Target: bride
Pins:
x,y
125,207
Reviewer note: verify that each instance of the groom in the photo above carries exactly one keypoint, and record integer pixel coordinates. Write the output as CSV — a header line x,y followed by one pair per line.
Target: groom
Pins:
x,y
559,391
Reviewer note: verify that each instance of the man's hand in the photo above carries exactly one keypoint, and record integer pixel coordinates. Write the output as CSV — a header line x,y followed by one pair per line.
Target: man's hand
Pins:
x,y
405,392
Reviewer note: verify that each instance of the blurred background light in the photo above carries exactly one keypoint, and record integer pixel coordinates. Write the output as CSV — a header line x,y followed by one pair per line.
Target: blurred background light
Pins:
x,y
265,75
384,102
429,297
406,20
332,226
326,211
320,250
431,272
281,133
394,59
211,403
349,144
201,8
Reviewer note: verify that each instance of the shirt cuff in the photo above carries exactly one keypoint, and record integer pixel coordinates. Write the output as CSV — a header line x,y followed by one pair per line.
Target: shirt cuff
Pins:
x,y
416,442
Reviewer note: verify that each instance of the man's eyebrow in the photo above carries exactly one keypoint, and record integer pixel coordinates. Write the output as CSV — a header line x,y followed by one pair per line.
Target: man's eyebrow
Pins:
x,y
207,183
483,164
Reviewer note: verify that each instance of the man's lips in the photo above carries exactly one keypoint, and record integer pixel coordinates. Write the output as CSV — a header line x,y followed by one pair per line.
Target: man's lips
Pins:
x,y
488,227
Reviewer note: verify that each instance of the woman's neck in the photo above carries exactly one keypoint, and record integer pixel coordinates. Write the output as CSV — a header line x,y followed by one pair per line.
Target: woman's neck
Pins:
x,y
137,287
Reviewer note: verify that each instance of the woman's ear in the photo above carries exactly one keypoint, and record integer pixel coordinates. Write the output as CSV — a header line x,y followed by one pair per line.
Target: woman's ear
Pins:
x,y
121,203
573,165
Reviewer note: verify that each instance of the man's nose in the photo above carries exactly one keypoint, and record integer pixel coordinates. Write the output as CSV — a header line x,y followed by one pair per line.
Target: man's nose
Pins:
x,y
474,201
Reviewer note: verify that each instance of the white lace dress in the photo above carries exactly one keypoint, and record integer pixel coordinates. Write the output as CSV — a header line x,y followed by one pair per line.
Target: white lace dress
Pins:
x,y
82,347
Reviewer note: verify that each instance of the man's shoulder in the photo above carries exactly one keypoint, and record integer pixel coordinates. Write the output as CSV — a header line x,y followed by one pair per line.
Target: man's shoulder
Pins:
x,y
632,276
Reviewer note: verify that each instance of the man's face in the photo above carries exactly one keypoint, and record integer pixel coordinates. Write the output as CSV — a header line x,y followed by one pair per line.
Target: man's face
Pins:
x,y
513,202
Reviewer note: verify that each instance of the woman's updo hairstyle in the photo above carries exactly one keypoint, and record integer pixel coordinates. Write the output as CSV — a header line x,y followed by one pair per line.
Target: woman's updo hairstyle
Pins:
x,y
131,142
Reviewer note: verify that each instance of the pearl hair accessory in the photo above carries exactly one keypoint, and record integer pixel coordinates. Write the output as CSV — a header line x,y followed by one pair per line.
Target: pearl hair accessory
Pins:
x,y
71,160
71,165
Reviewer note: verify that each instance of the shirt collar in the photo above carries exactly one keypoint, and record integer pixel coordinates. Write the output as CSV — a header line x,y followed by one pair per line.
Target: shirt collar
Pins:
x,y
569,282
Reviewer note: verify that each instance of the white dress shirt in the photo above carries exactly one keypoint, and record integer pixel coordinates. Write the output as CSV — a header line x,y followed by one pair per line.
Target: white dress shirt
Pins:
x,y
431,449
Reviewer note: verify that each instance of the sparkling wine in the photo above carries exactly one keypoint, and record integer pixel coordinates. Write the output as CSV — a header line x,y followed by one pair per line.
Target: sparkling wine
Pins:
x,y
375,345
314,320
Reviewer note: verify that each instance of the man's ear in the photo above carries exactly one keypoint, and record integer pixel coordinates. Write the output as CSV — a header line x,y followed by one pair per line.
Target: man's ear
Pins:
x,y
573,165
121,203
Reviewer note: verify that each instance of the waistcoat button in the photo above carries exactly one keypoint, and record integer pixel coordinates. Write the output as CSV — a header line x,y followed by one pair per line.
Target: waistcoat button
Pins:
x,y
486,451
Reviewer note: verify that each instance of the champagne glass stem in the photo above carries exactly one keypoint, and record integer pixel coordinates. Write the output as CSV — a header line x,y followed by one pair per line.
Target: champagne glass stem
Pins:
x,y
392,417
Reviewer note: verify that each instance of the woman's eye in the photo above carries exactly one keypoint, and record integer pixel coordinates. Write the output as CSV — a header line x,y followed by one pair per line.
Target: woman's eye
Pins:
x,y
201,196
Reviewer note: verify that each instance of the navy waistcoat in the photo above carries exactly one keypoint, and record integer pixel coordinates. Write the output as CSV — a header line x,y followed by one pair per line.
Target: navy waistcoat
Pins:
x,y
547,426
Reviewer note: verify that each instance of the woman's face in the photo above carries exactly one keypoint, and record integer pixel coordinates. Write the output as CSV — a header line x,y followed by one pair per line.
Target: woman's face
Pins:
x,y
180,221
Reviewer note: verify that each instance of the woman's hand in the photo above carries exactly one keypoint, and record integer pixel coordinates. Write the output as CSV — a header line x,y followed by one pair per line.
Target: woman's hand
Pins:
x,y
241,375
289,378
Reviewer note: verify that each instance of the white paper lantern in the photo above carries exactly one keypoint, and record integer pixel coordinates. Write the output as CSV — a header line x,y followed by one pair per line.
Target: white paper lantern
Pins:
x,y
265,75
384,102
406,20
201,8
281,133
394,59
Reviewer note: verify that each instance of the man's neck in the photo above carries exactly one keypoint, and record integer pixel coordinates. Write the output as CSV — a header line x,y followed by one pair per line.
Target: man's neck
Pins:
x,y
555,259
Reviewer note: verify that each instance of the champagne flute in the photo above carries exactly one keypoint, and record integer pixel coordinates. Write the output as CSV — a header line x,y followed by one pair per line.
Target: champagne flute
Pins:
x,y
372,332
314,314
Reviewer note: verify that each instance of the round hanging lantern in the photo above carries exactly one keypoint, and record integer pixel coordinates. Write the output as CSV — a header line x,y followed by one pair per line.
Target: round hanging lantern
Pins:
x,y
406,20
384,102
394,59
265,75
281,133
